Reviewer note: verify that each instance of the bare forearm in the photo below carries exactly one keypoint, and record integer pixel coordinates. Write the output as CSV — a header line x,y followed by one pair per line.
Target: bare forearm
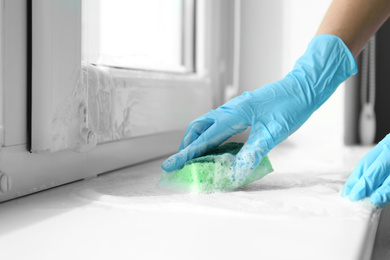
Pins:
x,y
355,21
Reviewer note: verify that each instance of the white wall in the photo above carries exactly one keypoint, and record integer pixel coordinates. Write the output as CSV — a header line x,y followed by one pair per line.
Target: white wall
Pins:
x,y
273,35
261,43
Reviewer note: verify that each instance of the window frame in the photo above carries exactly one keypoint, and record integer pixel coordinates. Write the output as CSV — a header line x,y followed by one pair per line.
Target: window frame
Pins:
x,y
57,54
30,171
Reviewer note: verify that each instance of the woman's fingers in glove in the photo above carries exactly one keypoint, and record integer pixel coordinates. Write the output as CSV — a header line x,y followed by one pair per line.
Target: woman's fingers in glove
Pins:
x,y
354,177
194,130
352,180
209,139
372,178
362,167
259,143
381,197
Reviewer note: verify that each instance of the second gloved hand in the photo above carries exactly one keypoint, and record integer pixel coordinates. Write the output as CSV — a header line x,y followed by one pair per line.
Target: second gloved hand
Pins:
x,y
275,110
371,176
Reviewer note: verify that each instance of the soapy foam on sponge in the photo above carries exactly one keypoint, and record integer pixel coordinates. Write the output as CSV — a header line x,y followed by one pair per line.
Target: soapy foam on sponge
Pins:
x,y
214,172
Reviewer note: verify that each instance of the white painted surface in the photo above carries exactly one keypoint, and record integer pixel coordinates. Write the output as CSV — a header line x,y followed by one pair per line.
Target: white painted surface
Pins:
x,y
294,213
14,68
261,43
1,74
31,172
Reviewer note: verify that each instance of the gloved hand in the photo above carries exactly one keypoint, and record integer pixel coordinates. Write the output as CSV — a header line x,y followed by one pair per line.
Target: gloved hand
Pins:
x,y
371,176
275,110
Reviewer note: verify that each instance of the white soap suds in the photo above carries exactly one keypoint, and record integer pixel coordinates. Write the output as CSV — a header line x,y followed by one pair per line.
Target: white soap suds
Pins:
x,y
277,195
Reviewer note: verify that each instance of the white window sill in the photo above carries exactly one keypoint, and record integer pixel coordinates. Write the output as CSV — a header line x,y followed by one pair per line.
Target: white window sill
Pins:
x,y
293,213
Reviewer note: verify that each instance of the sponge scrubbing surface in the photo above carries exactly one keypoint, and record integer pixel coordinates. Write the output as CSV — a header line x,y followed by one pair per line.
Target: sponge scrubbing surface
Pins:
x,y
213,172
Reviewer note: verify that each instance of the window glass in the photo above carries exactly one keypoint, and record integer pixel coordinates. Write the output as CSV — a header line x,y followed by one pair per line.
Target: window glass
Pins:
x,y
145,34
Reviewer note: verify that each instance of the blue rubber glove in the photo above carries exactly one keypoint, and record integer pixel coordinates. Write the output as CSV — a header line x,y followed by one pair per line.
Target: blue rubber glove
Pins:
x,y
371,176
274,111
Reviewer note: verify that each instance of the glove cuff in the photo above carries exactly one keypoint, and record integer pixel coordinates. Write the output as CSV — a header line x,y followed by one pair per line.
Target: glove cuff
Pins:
x,y
345,54
386,141
326,63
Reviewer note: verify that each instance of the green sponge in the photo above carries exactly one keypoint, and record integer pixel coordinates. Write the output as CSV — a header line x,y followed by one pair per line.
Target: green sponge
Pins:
x,y
213,172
